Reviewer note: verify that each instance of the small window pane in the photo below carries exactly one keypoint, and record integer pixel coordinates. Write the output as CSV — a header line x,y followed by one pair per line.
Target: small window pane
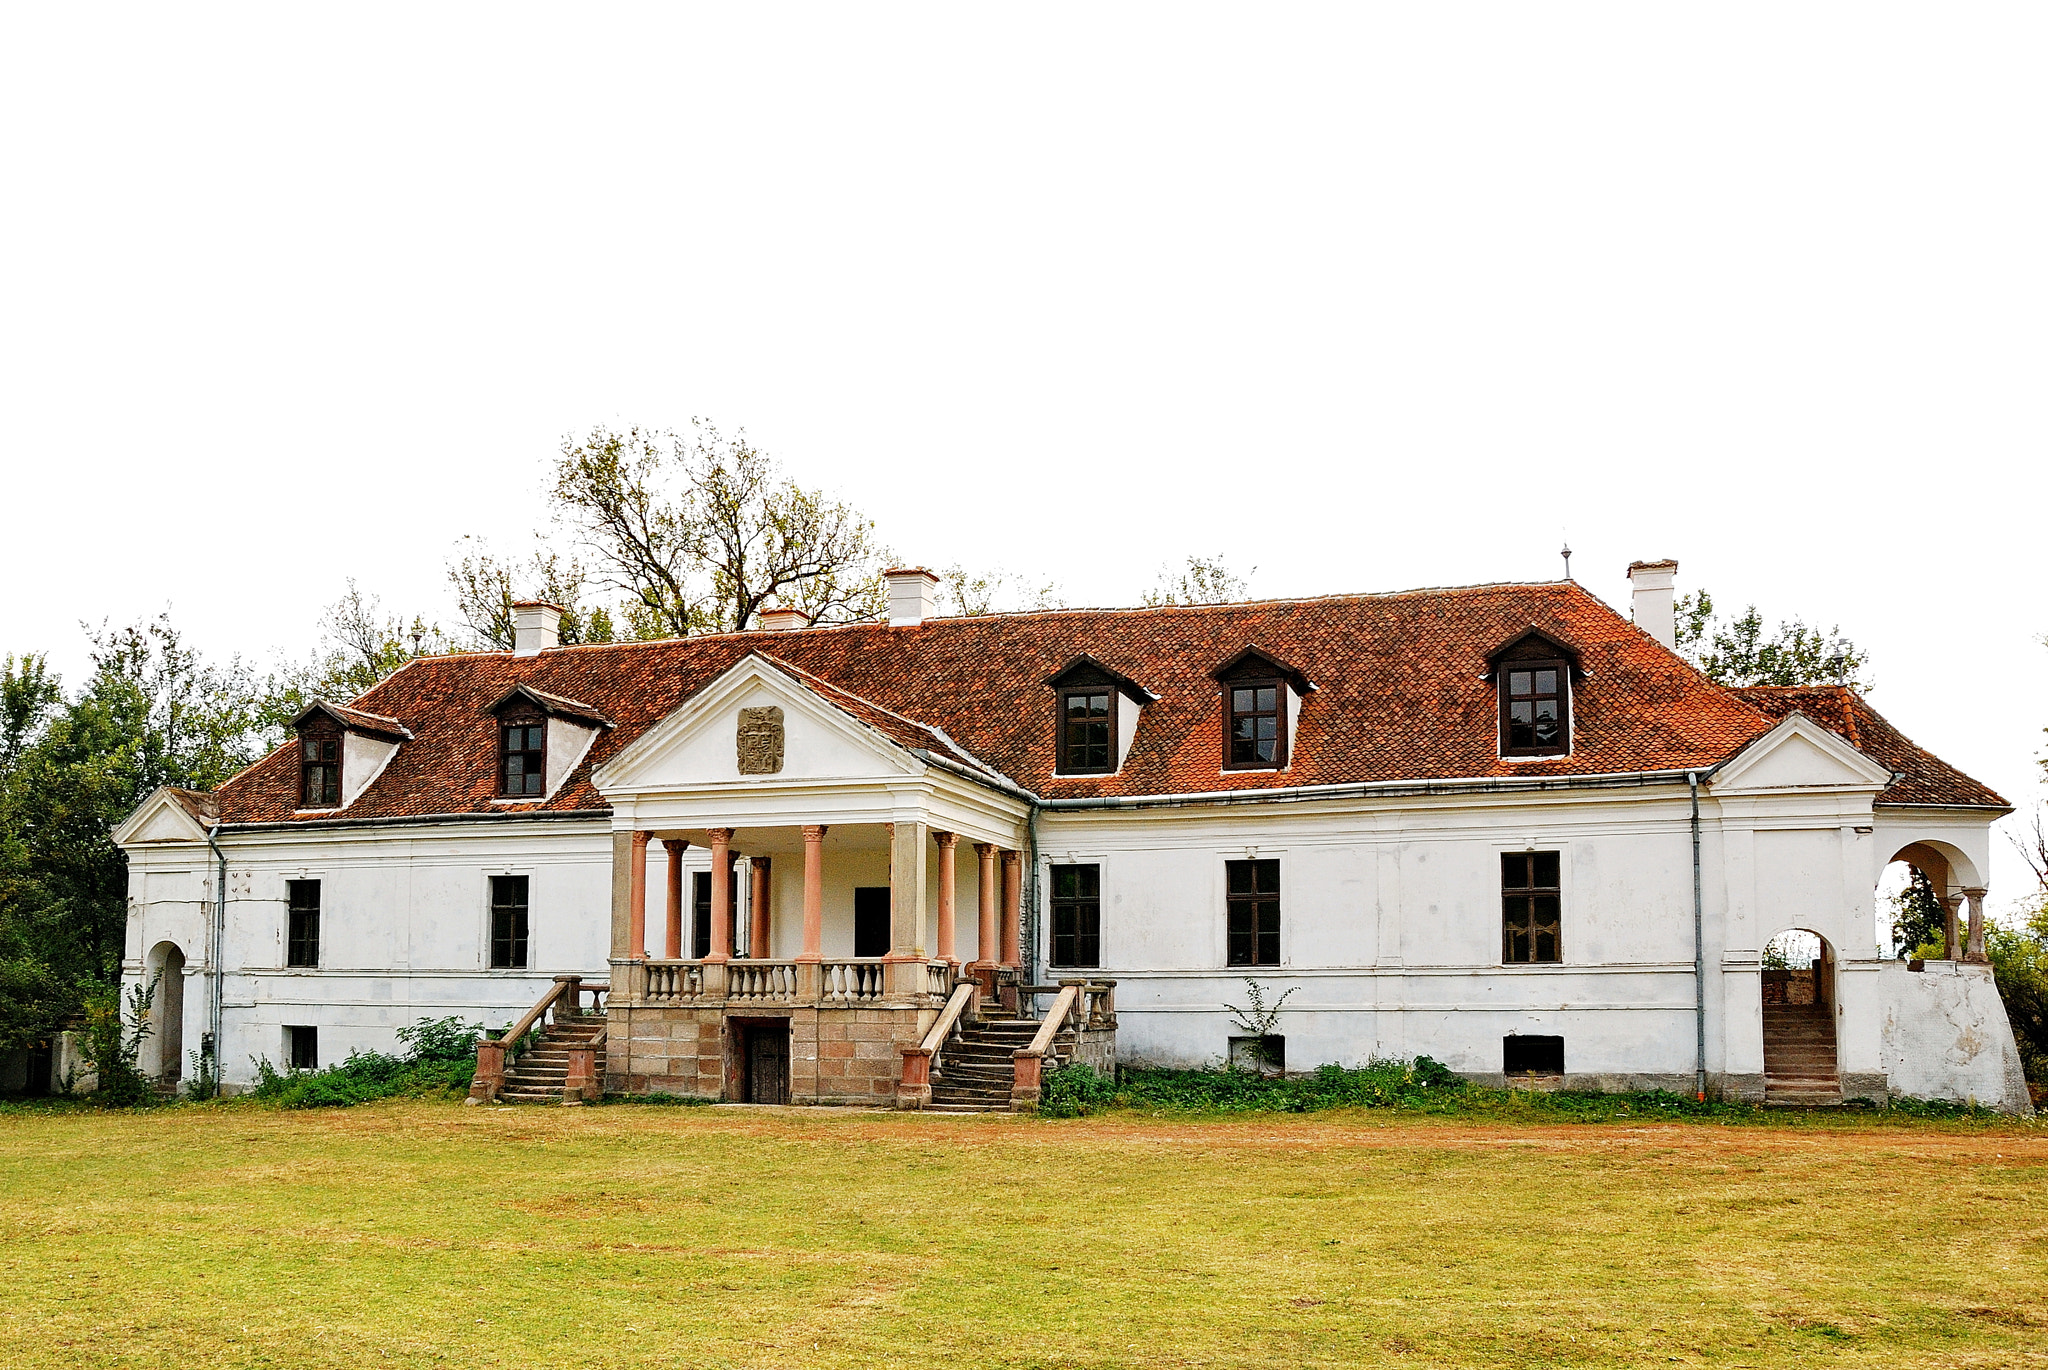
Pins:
x,y
1518,682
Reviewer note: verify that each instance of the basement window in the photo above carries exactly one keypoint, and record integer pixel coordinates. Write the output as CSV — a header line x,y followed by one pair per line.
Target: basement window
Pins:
x,y
1528,1056
302,1046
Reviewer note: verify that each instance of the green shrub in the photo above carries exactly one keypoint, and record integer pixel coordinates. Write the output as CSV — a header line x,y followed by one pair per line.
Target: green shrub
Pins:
x,y
440,1061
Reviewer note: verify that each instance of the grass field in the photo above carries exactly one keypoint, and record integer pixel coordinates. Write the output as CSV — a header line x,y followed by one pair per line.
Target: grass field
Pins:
x,y
424,1233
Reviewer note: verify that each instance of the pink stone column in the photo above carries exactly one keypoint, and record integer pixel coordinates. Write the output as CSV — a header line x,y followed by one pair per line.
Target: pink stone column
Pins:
x,y
636,937
721,894
948,842
675,847
757,909
1973,949
814,894
1013,908
985,944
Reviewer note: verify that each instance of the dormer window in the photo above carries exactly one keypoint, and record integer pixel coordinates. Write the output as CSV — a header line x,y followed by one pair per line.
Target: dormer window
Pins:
x,y
1260,697
1087,731
320,769
522,758
1095,717
1533,676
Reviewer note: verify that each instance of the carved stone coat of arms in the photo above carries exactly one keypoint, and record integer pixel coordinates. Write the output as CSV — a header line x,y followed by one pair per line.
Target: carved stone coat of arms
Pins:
x,y
760,740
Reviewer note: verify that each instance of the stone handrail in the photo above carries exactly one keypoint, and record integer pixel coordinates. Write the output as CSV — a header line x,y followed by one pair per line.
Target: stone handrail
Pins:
x,y
582,1085
938,978
1029,1071
922,1062
1056,1018
666,980
852,981
759,982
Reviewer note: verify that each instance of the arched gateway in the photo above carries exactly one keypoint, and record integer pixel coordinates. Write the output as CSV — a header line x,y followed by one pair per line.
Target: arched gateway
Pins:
x,y
1801,1065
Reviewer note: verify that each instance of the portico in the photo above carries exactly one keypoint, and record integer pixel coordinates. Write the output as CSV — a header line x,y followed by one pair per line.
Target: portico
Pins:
x,y
785,869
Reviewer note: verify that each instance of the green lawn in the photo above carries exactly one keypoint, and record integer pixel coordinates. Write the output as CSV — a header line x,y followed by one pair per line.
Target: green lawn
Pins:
x,y
417,1233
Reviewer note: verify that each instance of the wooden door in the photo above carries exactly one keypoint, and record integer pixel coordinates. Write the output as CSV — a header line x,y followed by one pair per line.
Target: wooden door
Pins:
x,y
768,1063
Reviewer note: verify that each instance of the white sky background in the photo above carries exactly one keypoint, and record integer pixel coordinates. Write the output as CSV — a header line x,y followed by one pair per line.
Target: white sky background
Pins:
x,y
1365,297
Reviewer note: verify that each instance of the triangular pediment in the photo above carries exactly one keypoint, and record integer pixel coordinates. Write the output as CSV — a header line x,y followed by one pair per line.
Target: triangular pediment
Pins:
x,y
1800,754
753,716
160,819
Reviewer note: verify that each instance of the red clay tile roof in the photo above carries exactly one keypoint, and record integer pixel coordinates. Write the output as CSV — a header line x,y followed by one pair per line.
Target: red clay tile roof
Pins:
x,y
1401,697
360,720
1925,778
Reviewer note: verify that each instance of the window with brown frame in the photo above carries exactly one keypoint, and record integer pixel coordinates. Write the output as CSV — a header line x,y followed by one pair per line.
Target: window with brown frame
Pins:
x,y
522,757
1088,731
320,769
1531,907
1252,890
508,922
1535,707
1256,738
302,923
1077,915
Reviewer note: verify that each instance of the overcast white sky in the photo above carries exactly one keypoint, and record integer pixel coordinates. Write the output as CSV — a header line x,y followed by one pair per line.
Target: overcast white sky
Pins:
x,y
1367,297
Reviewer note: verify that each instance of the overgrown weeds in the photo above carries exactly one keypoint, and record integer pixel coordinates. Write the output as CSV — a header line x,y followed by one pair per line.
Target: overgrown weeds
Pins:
x,y
1419,1086
440,1060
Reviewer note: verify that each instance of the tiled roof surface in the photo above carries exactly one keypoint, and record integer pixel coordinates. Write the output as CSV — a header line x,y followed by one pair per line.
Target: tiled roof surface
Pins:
x,y
1925,778
1401,696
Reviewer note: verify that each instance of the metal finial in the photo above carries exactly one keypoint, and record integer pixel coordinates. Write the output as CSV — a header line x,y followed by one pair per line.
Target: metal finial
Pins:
x,y
1567,561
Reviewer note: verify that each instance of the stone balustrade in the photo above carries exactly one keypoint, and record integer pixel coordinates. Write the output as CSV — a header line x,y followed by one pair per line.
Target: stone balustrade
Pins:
x,y
850,982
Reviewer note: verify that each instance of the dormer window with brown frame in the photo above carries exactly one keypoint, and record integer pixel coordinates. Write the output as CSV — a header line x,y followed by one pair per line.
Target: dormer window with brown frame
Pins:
x,y
1533,678
1091,727
1259,692
522,757
320,768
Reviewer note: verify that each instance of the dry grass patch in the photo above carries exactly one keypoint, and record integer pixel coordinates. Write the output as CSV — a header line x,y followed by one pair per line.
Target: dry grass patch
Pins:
x,y
421,1233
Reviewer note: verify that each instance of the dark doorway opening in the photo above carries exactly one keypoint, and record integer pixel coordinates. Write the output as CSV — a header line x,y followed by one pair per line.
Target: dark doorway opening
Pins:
x,y
760,1060
1532,1055
871,921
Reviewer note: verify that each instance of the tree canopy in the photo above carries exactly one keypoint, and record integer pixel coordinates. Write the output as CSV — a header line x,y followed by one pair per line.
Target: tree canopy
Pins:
x,y
1737,651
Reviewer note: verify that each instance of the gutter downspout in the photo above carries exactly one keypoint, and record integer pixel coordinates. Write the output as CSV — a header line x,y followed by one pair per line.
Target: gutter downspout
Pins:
x,y
1699,950
220,929
1030,923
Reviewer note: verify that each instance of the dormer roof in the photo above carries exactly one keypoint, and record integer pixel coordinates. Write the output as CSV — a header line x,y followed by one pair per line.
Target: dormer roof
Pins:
x,y
354,720
1086,670
1257,662
1535,644
553,705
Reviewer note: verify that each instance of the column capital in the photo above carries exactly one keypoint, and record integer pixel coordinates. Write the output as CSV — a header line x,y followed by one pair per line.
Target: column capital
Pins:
x,y
946,839
721,836
815,832
678,845
1975,892
985,849
641,836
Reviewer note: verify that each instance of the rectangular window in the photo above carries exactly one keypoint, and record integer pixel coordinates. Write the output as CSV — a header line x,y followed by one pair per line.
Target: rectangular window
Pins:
x,y
508,922
1258,725
320,776
522,749
302,923
700,914
303,1046
1521,1055
1088,731
1254,898
1530,904
1534,699
1077,915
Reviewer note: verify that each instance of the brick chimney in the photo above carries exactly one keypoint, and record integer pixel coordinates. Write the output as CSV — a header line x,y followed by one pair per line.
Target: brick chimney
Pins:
x,y
1653,607
784,620
536,626
911,598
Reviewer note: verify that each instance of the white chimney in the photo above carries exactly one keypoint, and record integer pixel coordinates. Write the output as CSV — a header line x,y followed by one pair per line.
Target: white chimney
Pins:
x,y
784,620
910,595
536,626
1654,611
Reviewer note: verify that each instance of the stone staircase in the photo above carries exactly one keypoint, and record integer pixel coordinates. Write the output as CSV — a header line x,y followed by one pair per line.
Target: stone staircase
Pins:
x,y
979,1070
1799,1055
538,1075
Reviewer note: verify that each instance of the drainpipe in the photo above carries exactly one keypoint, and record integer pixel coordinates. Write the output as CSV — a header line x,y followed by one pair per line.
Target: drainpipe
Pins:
x,y
1029,928
1699,950
220,928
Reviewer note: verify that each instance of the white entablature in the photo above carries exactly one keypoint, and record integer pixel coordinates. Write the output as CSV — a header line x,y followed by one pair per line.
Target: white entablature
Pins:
x,y
684,774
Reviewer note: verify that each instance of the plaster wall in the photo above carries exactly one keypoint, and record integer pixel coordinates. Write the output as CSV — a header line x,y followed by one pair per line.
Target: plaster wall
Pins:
x,y
1946,1036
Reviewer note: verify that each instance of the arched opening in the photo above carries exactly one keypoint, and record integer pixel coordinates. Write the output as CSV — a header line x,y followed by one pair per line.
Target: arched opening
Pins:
x,y
163,1051
1921,895
1799,1020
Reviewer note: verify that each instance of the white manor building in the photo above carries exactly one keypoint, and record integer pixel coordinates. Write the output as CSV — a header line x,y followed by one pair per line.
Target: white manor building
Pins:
x,y
1500,825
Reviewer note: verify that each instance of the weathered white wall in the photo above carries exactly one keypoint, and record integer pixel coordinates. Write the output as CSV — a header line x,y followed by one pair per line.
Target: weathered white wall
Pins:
x,y
1946,1036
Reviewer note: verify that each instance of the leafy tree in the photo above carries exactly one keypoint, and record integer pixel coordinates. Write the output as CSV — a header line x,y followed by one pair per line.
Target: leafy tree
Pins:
x,y
702,533
1203,580
1918,919
966,594
486,587
1737,651
360,645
